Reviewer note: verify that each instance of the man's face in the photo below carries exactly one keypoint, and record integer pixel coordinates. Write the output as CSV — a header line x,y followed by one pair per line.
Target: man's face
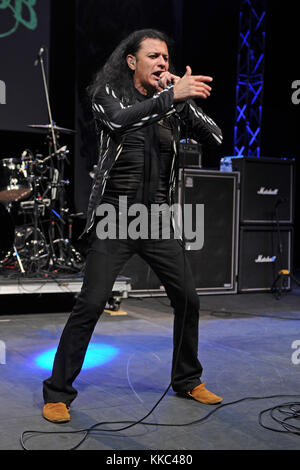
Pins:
x,y
150,61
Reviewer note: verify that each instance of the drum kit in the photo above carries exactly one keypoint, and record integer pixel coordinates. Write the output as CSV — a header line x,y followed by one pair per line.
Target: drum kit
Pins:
x,y
34,213
36,231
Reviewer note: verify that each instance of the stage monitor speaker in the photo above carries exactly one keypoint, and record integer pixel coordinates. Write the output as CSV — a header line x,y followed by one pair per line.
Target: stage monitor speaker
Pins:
x,y
267,190
260,257
214,262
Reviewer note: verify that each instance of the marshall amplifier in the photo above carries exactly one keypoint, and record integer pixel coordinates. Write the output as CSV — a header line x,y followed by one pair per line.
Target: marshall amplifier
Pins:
x,y
190,154
267,189
211,201
260,256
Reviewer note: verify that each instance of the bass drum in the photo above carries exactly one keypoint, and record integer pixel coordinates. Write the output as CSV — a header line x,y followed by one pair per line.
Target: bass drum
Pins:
x,y
7,234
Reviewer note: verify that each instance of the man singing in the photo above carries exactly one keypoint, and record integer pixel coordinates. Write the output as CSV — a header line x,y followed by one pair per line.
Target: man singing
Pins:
x,y
141,109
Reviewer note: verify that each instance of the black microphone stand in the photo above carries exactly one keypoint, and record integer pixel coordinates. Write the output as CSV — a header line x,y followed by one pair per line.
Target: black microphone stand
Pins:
x,y
280,282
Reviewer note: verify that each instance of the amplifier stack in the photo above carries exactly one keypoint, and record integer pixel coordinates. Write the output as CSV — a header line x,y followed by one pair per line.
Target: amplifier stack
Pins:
x,y
246,230
266,221
212,253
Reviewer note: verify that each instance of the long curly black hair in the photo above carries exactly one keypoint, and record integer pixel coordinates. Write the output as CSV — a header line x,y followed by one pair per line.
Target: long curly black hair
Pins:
x,y
116,72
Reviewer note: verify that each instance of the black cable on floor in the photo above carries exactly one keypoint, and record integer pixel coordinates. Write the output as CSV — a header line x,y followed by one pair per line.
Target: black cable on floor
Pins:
x,y
227,313
130,424
290,409
134,423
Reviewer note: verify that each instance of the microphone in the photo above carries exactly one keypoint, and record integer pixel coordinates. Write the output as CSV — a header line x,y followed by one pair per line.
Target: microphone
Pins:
x,y
159,83
40,53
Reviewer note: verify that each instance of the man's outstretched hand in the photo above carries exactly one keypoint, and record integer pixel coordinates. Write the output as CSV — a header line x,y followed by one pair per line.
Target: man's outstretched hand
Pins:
x,y
191,86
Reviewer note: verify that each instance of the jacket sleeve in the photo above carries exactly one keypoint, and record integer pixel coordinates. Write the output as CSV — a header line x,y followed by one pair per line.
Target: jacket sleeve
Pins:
x,y
112,114
197,124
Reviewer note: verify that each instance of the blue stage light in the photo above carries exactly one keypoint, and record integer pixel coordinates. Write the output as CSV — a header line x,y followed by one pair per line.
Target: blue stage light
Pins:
x,y
96,355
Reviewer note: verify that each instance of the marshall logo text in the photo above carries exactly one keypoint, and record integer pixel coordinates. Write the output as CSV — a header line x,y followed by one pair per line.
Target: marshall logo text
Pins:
x,y
267,192
265,259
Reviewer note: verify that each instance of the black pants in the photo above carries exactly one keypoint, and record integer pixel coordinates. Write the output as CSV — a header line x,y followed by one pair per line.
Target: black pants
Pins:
x,y
105,259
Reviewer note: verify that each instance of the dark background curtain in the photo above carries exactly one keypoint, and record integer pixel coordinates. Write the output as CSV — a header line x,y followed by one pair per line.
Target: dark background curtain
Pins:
x,y
85,32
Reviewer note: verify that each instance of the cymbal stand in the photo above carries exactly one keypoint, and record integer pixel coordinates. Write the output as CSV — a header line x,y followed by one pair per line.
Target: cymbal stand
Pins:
x,y
57,218
57,175
52,146
41,61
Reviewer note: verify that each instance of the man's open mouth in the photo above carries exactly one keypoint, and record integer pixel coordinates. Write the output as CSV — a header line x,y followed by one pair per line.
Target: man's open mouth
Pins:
x,y
157,74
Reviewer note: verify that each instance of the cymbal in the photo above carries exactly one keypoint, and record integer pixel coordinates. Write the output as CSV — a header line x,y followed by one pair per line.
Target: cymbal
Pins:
x,y
47,127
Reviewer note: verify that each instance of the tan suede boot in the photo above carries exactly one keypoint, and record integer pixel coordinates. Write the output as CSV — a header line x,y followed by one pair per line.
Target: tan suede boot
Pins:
x,y
56,412
201,394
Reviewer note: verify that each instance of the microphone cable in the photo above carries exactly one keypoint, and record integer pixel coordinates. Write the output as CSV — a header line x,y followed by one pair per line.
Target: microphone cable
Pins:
x,y
291,410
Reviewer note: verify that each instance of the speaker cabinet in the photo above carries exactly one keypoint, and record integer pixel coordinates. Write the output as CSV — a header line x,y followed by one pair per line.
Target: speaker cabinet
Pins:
x,y
213,255
260,256
267,190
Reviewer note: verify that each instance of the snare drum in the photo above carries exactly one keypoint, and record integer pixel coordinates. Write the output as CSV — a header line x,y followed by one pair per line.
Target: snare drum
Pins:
x,y
14,182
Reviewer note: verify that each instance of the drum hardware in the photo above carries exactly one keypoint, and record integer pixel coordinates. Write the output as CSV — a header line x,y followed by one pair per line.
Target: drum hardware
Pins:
x,y
34,164
14,184
47,127
27,155
36,251
63,150
41,245
71,217
74,256
51,128
19,260
6,234
32,248
28,206
61,253
8,248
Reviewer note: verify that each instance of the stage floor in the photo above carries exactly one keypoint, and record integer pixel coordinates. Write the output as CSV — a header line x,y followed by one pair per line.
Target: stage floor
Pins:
x,y
246,348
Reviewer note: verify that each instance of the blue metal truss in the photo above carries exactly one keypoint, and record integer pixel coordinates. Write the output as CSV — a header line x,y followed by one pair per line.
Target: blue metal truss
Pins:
x,y
250,78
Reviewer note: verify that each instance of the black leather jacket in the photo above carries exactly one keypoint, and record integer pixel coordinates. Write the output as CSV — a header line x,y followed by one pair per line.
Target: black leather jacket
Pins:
x,y
114,120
